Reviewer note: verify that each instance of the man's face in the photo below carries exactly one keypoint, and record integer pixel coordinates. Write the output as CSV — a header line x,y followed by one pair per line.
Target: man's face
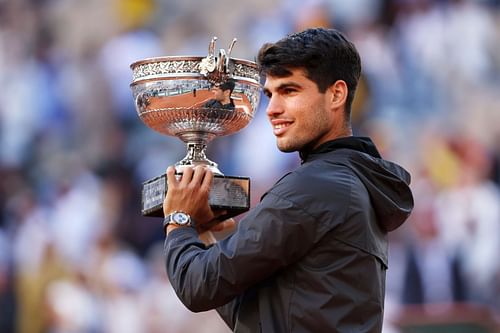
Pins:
x,y
299,114
218,94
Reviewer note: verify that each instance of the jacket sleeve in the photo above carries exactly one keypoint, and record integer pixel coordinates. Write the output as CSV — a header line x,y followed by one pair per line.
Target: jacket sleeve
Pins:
x,y
273,235
228,312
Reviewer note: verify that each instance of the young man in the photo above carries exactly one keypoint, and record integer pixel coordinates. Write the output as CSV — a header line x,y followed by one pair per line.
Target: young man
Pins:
x,y
222,96
312,256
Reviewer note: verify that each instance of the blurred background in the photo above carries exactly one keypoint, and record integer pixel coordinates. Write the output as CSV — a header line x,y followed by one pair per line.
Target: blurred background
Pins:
x,y
77,256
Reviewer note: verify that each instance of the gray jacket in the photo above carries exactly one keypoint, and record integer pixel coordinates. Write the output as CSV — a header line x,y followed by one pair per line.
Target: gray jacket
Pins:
x,y
311,257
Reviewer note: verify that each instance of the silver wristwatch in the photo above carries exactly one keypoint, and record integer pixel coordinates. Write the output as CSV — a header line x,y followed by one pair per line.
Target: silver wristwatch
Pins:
x,y
177,218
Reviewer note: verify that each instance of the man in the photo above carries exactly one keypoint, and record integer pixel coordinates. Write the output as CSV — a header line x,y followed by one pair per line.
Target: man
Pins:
x,y
312,256
222,96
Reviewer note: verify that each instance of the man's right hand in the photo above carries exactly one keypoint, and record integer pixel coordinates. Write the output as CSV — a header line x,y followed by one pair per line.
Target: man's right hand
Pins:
x,y
189,194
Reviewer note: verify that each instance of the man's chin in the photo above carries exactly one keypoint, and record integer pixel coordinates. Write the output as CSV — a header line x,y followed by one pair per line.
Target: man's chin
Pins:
x,y
286,148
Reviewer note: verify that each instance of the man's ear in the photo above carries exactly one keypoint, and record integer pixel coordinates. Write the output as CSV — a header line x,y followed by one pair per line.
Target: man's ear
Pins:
x,y
338,93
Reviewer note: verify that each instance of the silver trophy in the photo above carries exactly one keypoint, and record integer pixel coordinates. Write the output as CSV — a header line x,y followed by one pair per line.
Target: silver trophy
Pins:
x,y
197,99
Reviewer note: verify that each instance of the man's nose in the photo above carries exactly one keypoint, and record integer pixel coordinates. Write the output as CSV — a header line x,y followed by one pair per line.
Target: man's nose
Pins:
x,y
274,107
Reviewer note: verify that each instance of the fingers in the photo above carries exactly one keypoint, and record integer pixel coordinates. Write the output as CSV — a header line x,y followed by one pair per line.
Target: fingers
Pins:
x,y
187,175
171,176
207,180
214,220
198,176
219,212
207,238
226,225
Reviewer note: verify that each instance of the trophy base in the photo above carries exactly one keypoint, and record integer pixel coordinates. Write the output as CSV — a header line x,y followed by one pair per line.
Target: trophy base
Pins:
x,y
228,193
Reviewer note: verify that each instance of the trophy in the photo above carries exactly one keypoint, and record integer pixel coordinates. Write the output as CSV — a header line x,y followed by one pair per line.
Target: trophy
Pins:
x,y
175,96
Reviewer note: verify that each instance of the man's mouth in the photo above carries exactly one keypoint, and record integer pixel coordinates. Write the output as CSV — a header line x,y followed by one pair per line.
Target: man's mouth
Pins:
x,y
280,126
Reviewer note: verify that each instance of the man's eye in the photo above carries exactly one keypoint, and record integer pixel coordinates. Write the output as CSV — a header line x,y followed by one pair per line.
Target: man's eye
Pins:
x,y
288,91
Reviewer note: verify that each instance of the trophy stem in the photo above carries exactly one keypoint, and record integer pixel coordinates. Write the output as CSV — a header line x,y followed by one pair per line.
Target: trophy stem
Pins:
x,y
196,156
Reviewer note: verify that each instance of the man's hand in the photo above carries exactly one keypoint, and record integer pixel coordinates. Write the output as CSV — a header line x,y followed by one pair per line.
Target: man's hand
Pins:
x,y
207,236
226,226
189,194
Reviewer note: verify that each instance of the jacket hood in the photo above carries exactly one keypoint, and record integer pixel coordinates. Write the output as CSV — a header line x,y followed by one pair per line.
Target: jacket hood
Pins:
x,y
387,183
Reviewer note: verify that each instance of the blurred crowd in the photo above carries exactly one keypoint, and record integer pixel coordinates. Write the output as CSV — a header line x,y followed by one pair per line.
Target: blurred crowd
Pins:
x,y
75,253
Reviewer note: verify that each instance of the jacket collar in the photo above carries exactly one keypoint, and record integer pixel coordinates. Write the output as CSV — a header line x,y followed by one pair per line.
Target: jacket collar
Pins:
x,y
358,143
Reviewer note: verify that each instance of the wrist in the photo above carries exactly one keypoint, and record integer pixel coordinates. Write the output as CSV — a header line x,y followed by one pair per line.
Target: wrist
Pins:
x,y
170,227
176,220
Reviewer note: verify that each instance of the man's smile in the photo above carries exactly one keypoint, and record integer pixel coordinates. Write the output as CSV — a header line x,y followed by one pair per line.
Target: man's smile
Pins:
x,y
280,126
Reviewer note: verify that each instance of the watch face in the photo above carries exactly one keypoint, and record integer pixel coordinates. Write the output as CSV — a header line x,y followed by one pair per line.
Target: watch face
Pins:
x,y
181,218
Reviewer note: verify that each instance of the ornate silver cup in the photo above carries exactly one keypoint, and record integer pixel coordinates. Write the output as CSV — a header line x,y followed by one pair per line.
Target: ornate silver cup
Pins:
x,y
197,99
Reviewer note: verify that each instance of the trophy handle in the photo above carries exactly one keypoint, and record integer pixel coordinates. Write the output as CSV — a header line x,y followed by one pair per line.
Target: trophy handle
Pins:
x,y
230,49
211,47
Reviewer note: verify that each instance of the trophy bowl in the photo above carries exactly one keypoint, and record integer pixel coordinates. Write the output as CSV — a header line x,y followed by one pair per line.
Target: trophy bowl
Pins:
x,y
177,96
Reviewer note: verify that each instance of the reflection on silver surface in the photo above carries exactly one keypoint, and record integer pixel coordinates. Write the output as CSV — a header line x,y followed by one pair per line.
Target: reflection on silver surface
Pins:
x,y
174,106
170,95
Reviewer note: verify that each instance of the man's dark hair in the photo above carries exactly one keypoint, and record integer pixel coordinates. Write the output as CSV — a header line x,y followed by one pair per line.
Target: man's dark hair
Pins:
x,y
326,55
227,85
